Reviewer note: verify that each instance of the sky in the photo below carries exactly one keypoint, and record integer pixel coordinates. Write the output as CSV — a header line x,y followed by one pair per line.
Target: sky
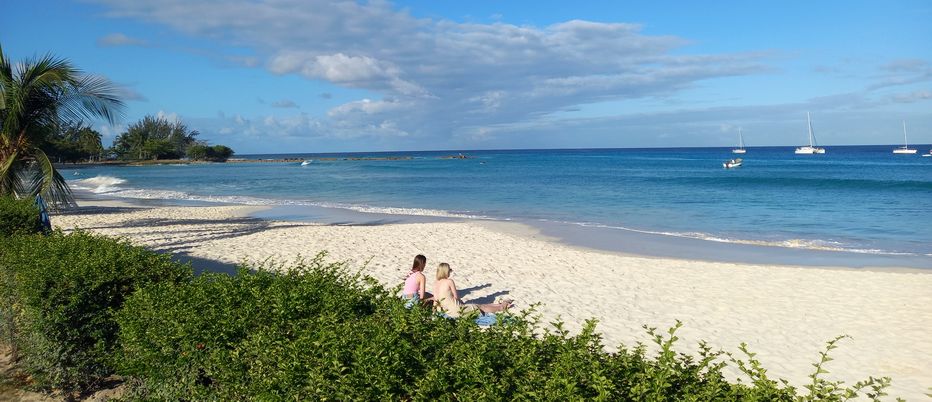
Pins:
x,y
290,76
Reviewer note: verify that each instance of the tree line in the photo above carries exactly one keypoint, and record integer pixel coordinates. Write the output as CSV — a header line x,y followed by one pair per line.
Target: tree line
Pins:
x,y
151,138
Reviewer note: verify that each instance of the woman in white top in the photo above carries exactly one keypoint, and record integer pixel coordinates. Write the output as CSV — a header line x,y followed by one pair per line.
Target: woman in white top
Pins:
x,y
447,301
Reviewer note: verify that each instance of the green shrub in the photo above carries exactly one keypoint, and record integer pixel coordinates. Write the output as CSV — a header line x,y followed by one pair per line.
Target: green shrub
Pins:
x,y
314,332
60,294
18,217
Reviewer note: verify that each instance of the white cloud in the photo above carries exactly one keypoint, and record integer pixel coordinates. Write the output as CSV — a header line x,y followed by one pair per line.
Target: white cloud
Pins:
x,y
119,39
903,72
285,103
169,117
914,96
436,77
126,92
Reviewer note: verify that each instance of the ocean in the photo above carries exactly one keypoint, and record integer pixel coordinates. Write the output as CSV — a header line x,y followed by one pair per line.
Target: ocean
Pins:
x,y
860,200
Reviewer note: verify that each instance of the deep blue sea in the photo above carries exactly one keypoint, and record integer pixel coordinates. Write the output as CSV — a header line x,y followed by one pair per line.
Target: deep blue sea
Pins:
x,y
862,199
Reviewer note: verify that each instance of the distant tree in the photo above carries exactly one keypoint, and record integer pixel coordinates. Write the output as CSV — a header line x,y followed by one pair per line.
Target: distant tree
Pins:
x,y
154,138
73,142
35,97
160,149
221,153
198,152
203,152
89,142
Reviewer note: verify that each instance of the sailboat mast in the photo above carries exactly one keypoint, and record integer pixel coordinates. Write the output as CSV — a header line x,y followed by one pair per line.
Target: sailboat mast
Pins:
x,y
740,139
809,120
905,142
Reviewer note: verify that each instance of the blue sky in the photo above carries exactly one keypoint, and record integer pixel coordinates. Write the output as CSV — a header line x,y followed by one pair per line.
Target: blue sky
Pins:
x,y
315,76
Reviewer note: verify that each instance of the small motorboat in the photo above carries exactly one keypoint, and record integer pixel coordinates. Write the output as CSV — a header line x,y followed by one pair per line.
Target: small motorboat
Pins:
x,y
732,163
928,154
307,162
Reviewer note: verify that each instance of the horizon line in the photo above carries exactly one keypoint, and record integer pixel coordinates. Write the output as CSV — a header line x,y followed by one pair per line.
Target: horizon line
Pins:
x,y
575,149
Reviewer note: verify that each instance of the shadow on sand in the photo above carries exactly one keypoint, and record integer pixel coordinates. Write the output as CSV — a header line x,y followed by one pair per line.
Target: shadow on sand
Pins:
x,y
487,299
203,265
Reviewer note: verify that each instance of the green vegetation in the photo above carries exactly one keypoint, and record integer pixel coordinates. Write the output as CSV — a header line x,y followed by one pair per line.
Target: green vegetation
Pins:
x,y
216,153
158,138
313,332
44,103
154,138
59,295
37,97
77,308
74,143
18,217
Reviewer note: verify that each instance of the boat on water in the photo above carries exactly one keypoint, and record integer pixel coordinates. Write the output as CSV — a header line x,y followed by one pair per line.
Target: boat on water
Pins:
x,y
905,148
811,149
307,162
732,163
740,149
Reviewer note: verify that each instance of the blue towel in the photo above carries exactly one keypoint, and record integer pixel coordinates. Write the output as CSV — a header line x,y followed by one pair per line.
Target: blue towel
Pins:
x,y
44,215
486,320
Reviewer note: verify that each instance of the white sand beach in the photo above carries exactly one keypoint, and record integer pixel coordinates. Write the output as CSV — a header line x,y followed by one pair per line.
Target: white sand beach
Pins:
x,y
784,313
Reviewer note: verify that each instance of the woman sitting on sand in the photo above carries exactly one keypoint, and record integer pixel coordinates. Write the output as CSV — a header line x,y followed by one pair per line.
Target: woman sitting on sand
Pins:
x,y
416,283
447,301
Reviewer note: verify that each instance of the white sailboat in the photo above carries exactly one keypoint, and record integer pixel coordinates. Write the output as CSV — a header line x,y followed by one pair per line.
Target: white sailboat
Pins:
x,y
905,148
811,149
740,149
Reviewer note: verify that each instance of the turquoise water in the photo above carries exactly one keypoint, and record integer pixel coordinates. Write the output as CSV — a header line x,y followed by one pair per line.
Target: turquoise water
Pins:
x,y
861,198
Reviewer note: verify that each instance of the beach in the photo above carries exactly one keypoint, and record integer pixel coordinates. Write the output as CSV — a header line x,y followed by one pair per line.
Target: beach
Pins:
x,y
784,313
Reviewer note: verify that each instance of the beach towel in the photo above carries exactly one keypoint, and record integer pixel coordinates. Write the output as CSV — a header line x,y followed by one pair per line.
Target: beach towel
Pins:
x,y
44,215
486,320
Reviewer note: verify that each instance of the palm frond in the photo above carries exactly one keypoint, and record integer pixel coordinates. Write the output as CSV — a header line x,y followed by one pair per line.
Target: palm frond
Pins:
x,y
91,97
35,91
6,85
37,95
5,67
47,72
6,79
10,181
47,182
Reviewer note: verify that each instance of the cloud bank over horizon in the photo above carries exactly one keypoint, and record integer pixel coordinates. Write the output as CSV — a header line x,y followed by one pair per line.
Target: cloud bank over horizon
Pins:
x,y
441,83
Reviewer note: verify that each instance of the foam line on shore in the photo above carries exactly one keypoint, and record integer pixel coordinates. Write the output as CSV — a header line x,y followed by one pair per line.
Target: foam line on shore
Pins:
x,y
113,187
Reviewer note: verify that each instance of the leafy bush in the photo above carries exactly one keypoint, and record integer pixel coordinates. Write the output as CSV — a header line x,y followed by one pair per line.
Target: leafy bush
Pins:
x,y
18,217
60,294
216,153
314,332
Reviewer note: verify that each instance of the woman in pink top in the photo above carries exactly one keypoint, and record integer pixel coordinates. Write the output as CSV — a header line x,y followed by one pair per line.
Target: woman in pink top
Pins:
x,y
447,301
416,283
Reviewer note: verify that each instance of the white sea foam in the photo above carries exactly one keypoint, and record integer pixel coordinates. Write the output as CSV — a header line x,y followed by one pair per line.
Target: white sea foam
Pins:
x,y
806,244
110,186
98,184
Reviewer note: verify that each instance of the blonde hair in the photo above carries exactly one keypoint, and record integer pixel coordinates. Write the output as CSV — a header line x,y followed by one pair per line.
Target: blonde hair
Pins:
x,y
443,271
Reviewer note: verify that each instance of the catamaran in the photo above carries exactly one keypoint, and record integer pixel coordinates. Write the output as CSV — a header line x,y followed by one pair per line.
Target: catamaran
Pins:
x,y
905,148
740,149
811,149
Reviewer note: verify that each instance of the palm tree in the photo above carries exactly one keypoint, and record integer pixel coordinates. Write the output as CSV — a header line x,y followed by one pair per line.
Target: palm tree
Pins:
x,y
36,96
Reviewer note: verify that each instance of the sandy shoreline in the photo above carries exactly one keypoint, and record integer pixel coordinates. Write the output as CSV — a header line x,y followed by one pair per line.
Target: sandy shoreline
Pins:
x,y
784,313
